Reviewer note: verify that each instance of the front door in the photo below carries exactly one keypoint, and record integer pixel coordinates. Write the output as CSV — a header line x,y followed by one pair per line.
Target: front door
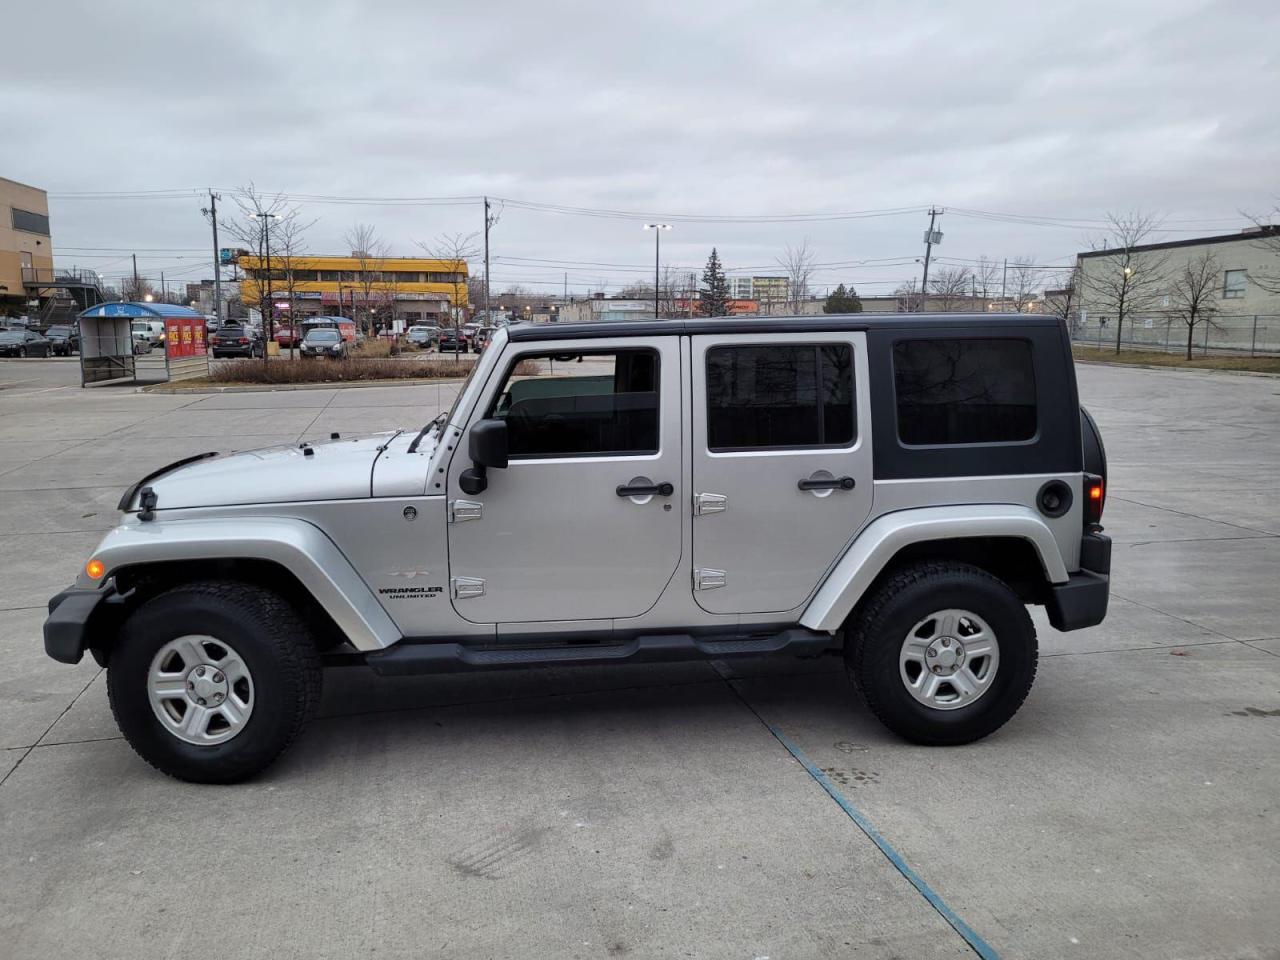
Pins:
x,y
782,474
585,521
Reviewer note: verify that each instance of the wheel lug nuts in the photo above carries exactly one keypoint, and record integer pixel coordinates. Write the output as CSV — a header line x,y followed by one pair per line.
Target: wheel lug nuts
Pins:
x,y
933,652
191,684
946,641
201,701
199,671
937,668
217,678
217,698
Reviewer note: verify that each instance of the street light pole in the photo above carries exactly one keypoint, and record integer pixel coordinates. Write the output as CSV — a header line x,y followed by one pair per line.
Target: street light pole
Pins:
x,y
657,229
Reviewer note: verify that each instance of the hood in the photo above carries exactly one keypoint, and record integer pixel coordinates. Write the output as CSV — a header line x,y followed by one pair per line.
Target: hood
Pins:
x,y
334,470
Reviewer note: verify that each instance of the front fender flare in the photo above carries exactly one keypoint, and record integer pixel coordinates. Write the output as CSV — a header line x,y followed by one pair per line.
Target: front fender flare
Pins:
x,y
298,546
877,544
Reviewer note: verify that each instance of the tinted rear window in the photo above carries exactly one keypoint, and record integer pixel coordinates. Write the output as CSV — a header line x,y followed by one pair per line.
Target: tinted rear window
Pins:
x,y
779,396
964,391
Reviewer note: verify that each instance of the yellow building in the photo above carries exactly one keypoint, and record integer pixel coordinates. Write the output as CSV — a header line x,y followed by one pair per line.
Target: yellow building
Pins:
x,y
406,290
26,249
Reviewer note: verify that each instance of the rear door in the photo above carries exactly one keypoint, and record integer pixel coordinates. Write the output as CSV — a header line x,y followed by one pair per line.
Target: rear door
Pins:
x,y
781,457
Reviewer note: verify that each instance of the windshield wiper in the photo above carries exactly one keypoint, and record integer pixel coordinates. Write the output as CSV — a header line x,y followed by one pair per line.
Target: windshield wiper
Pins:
x,y
413,447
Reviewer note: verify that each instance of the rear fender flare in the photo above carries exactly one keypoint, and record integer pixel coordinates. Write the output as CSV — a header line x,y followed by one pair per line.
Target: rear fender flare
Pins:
x,y
878,543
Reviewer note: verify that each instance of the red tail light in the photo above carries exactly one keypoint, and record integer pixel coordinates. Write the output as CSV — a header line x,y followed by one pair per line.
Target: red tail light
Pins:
x,y
1095,497
244,339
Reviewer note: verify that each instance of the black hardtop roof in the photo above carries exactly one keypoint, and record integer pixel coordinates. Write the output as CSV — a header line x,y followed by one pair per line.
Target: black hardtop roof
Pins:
x,y
823,323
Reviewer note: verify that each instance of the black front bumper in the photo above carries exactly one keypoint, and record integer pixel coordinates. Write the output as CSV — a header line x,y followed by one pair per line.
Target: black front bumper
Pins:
x,y
66,631
1082,601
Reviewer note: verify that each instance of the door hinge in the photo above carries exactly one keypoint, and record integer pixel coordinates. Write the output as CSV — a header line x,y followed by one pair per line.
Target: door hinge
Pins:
x,y
704,578
704,503
466,587
460,510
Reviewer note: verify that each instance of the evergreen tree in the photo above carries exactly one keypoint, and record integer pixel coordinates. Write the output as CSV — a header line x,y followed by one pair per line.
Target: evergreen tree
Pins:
x,y
715,289
841,300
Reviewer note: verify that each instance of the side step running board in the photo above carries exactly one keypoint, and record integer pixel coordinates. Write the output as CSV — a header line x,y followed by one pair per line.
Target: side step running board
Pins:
x,y
415,658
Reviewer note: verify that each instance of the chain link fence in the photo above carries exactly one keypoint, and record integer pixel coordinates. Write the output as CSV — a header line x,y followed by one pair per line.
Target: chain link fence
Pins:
x,y
1247,335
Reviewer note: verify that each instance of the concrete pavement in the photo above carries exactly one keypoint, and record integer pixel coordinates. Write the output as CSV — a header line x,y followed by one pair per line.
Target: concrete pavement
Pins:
x,y
1129,810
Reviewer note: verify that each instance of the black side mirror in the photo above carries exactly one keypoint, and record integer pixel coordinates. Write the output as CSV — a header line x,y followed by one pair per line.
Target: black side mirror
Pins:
x,y
487,444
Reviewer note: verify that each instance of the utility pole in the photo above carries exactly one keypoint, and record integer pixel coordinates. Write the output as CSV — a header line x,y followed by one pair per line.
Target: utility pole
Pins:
x,y
136,292
930,238
488,222
1004,282
164,289
217,262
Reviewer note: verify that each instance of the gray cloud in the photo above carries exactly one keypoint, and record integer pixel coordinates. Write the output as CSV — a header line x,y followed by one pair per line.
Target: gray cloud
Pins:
x,y
1066,110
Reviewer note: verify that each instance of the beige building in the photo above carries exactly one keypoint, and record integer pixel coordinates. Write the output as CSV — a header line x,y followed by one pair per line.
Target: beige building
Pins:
x,y
26,248
1242,259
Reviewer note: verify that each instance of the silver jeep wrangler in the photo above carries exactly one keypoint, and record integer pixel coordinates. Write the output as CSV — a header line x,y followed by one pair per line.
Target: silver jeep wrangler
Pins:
x,y
897,488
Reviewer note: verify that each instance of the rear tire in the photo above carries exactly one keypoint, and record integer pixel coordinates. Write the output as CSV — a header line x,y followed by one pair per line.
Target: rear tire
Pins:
x,y
933,693
214,618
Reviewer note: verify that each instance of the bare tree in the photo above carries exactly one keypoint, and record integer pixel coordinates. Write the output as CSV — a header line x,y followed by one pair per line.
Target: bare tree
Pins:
x,y
908,297
259,222
1268,241
1193,294
288,244
798,265
369,251
950,288
986,278
1064,301
1128,281
1025,282
454,250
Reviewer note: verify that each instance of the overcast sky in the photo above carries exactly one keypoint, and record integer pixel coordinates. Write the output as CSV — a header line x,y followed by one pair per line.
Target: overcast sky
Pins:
x,y
683,110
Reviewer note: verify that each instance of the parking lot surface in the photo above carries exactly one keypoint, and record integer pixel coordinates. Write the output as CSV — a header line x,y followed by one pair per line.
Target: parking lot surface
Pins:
x,y
691,810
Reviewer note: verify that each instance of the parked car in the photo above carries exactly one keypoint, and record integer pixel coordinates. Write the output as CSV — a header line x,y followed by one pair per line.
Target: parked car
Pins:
x,y
286,337
64,339
895,488
141,332
236,341
20,342
422,336
324,342
453,340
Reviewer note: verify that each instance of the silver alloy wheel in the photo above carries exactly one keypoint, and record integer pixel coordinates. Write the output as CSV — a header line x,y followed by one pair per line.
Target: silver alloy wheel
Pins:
x,y
949,659
200,689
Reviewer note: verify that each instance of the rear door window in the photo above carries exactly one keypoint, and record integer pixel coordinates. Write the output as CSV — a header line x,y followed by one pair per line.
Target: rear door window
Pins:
x,y
964,391
780,395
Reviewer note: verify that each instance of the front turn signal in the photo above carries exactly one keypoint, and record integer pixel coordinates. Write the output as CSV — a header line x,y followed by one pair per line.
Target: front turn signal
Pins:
x,y
95,569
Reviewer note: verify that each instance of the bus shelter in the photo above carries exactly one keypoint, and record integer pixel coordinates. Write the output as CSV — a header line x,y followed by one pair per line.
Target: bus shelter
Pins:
x,y
110,351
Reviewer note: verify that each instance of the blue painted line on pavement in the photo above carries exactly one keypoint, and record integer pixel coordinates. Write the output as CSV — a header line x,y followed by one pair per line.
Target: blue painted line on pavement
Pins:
x,y
980,946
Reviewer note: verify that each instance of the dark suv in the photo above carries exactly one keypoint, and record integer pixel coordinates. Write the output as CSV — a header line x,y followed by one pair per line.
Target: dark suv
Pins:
x,y
234,340
64,339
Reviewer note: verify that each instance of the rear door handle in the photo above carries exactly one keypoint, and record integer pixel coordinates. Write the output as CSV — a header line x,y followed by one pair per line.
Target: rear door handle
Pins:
x,y
645,489
834,483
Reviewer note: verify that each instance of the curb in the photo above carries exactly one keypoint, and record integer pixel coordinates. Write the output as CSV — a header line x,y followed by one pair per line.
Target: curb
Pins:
x,y
1151,366
274,387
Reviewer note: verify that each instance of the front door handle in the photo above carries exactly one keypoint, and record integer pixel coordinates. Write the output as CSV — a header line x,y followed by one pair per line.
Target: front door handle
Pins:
x,y
645,489
833,483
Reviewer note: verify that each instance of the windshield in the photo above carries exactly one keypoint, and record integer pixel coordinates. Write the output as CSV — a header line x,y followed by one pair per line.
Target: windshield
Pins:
x,y
10,336
57,331
323,336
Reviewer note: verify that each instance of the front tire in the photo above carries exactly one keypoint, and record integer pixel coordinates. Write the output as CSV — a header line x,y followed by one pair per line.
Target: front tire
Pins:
x,y
943,653
211,681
